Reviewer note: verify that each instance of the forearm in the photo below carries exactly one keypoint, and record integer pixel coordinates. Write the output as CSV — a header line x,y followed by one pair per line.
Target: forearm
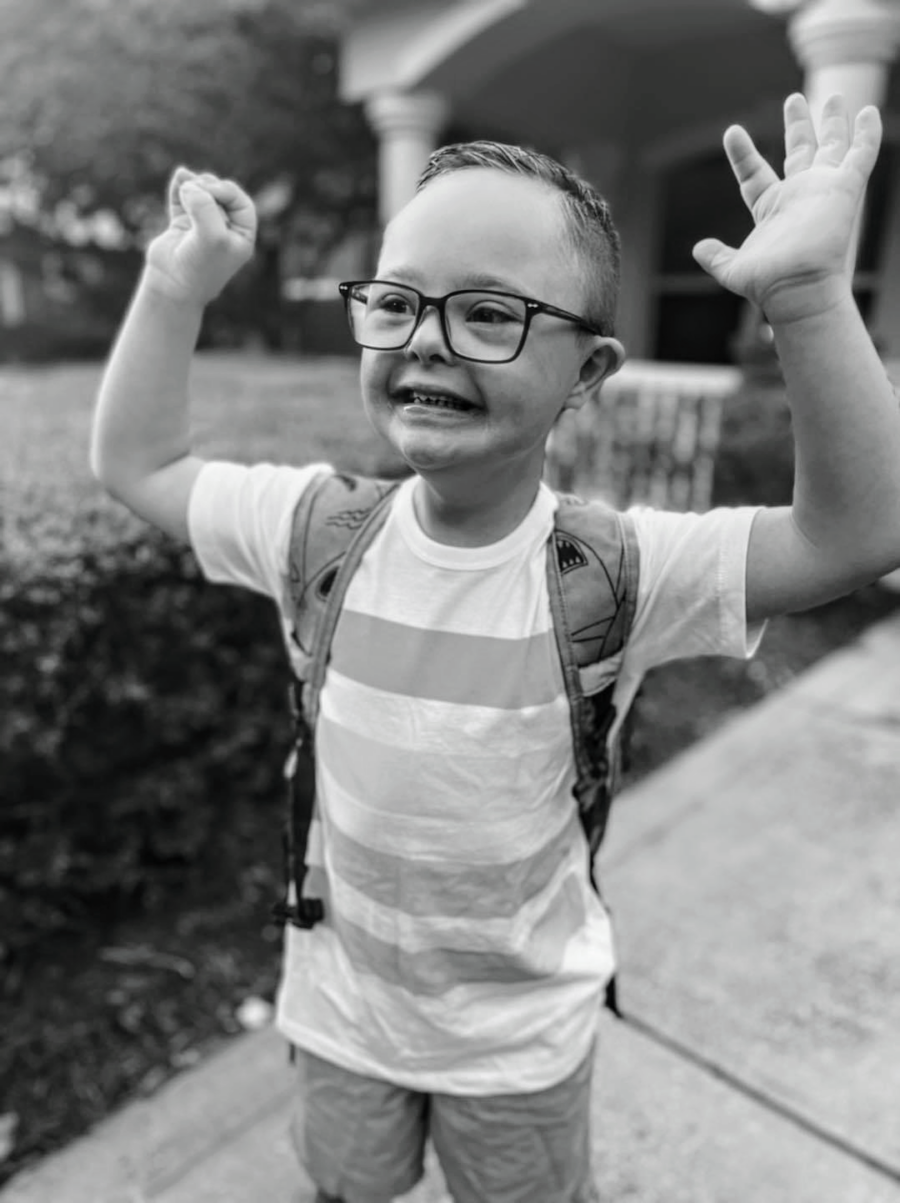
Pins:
x,y
142,421
846,423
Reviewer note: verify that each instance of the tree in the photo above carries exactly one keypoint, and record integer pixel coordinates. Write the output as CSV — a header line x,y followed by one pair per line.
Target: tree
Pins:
x,y
101,99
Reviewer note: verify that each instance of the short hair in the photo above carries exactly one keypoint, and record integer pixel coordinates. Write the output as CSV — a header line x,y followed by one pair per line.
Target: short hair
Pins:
x,y
588,222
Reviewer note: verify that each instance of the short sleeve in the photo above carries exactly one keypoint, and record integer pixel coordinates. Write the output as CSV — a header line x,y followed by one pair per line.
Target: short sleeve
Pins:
x,y
692,586
239,522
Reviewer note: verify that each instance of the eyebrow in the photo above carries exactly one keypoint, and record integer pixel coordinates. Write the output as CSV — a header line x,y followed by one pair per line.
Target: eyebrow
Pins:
x,y
474,280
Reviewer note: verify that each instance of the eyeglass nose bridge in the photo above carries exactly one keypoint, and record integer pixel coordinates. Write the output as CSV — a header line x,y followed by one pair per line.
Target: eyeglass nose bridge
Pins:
x,y
439,305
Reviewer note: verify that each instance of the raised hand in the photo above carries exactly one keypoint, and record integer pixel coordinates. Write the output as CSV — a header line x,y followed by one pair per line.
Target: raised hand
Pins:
x,y
796,261
210,236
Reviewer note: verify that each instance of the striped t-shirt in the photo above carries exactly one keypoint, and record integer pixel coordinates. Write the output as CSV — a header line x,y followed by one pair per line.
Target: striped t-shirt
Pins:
x,y
463,948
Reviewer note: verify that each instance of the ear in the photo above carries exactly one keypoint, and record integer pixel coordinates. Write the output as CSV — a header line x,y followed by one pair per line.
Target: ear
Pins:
x,y
603,357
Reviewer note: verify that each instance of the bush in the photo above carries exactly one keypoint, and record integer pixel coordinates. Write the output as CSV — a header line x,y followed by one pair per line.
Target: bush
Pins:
x,y
50,340
144,709
755,459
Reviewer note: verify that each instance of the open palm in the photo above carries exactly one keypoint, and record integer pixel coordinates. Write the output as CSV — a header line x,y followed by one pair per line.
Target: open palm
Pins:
x,y
797,255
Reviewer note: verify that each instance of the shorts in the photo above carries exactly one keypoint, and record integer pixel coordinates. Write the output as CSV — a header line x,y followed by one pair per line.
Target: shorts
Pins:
x,y
362,1140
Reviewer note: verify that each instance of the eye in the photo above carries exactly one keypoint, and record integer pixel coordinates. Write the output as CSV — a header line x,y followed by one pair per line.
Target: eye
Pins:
x,y
491,313
395,303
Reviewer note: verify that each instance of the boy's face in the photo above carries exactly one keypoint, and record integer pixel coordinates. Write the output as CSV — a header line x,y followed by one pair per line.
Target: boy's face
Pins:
x,y
483,228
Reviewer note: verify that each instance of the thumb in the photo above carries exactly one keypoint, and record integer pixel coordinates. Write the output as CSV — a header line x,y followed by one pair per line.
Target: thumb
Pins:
x,y
201,207
714,257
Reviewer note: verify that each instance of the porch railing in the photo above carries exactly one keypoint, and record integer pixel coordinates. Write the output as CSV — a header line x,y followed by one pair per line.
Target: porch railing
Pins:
x,y
648,436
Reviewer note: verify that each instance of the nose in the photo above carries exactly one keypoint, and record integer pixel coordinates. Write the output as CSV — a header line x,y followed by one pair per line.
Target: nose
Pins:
x,y
427,342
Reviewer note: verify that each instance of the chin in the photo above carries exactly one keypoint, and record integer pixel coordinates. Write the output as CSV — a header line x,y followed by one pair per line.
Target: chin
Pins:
x,y
424,460
425,450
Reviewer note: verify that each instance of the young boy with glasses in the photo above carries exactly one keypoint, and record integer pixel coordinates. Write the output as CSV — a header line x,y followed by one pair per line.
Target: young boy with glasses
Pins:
x,y
453,987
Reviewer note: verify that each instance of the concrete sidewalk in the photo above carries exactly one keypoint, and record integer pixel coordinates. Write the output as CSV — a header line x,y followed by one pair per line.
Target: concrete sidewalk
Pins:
x,y
756,887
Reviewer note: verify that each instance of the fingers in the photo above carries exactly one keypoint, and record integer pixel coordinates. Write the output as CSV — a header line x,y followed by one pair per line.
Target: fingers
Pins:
x,y
207,200
180,176
834,133
752,172
800,142
714,257
864,148
201,207
835,144
240,212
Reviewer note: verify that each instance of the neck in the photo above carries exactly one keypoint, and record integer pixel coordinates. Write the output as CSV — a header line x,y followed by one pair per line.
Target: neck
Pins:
x,y
473,513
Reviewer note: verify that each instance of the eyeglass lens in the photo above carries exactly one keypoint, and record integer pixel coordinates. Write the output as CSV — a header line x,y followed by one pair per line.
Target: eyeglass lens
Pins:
x,y
480,325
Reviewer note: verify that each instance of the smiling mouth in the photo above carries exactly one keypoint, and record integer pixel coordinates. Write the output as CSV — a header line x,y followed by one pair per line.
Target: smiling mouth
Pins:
x,y
445,401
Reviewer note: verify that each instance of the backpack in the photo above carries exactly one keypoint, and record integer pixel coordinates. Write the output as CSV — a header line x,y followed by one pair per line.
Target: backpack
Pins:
x,y
592,563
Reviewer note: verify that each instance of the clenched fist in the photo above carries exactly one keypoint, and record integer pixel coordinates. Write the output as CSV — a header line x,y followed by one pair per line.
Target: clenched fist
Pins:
x,y
210,236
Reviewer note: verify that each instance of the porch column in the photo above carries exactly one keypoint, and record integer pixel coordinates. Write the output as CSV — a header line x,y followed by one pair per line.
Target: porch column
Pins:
x,y
408,125
846,46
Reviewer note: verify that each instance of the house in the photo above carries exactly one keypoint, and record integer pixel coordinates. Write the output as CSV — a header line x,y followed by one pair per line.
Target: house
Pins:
x,y
635,95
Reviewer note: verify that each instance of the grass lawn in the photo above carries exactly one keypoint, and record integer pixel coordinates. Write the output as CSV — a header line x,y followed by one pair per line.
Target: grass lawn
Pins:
x,y
247,408
104,1016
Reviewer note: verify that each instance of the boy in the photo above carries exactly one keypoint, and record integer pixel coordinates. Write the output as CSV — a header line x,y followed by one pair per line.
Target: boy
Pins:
x,y
453,986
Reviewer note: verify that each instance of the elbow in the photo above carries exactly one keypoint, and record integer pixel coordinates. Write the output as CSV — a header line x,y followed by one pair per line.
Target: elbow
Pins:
x,y
106,469
100,467
95,463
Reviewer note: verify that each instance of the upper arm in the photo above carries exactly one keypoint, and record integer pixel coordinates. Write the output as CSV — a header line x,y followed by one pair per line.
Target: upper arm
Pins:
x,y
162,497
692,586
786,572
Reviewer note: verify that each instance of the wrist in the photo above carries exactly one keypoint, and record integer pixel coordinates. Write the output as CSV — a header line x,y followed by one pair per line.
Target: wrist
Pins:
x,y
157,285
808,300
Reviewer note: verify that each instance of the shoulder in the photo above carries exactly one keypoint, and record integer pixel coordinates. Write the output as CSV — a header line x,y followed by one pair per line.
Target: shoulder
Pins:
x,y
692,592
341,499
239,517
666,533
592,534
332,508
227,487
592,518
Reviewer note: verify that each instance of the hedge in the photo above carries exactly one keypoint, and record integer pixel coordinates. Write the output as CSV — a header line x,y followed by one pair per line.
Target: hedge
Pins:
x,y
143,709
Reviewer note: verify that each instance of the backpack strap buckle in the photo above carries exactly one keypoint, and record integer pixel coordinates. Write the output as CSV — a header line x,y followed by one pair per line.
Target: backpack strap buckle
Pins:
x,y
304,913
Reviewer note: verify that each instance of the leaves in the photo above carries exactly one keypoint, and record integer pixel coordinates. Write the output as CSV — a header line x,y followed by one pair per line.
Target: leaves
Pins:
x,y
103,100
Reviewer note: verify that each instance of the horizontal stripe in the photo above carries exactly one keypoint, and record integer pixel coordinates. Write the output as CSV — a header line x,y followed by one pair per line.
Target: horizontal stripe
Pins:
x,y
419,933
478,834
455,776
468,670
437,971
422,724
431,887
508,599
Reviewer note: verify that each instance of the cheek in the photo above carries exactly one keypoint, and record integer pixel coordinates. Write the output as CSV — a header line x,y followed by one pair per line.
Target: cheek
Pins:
x,y
373,374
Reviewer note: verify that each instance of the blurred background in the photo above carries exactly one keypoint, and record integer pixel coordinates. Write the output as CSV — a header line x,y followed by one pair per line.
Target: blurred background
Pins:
x,y
143,716
326,112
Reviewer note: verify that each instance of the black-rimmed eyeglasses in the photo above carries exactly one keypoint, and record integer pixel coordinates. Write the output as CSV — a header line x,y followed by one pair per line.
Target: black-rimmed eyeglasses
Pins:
x,y
481,324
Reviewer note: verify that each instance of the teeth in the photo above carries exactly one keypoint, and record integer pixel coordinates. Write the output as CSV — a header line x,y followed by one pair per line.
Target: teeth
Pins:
x,y
441,401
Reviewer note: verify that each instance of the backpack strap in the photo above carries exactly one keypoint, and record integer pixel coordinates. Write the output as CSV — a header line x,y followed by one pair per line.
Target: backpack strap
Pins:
x,y
592,583
331,511
592,576
364,519
597,558
335,521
